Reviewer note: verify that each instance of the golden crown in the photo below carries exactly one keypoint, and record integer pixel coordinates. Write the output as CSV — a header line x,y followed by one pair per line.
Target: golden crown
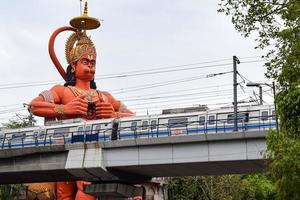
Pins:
x,y
77,45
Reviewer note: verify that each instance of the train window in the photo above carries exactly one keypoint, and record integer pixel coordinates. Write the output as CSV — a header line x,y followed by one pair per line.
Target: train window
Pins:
x,y
241,117
211,119
153,124
178,122
42,134
60,132
18,136
87,129
273,115
97,129
264,115
144,125
134,126
202,120
35,134
80,130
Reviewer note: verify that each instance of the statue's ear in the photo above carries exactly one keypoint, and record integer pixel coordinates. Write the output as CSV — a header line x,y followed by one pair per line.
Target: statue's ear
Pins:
x,y
73,65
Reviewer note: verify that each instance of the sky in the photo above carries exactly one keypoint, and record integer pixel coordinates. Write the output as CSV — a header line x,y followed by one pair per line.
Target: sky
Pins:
x,y
152,55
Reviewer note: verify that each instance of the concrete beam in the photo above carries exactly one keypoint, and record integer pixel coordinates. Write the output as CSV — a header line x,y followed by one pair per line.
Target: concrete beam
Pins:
x,y
113,190
136,160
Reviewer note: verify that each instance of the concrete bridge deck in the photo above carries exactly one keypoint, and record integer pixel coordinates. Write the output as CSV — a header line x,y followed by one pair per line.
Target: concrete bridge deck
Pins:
x,y
137,160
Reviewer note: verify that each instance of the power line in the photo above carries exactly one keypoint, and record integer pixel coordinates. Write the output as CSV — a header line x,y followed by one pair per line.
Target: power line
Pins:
x,y
125,74
11,111
183,65
115,75
177,91
164,71
160,84
176,95
210,97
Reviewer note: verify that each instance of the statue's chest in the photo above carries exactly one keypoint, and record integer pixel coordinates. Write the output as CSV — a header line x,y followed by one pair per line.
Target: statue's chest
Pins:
x,y
91,96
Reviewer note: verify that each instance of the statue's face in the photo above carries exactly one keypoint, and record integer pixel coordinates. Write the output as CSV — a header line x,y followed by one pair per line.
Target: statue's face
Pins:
x,y
85,67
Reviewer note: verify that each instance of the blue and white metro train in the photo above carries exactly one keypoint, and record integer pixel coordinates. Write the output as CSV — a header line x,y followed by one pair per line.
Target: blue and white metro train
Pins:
x,y
258,117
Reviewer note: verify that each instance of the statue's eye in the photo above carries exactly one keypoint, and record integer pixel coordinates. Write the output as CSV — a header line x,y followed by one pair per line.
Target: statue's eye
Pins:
x,y
84,61
93,62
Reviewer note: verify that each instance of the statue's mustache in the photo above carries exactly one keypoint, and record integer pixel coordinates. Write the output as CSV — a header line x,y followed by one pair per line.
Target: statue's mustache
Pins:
x,y
88,70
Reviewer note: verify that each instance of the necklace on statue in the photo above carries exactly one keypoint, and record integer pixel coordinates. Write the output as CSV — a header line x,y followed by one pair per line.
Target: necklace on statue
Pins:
x,y
88,93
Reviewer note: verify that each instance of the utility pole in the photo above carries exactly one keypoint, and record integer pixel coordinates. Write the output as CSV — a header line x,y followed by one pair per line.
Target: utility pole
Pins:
x,y
235,62
260,95
275,106
30,117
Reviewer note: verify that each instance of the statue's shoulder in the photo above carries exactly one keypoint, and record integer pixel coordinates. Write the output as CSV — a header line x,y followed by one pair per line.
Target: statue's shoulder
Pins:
x,y
105,93
58,90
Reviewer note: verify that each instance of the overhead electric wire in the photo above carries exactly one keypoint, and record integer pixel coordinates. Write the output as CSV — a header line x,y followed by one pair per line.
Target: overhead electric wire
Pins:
x,y
172,70
123,74
114,75
160,84
183,65
184,98
11,111
176,91
194,99
166,107
264,91
164,71
11,105
166,67
180,102
219,92
188,104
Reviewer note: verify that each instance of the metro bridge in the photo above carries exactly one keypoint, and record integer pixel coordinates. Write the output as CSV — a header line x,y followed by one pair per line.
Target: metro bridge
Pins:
x,y
135,160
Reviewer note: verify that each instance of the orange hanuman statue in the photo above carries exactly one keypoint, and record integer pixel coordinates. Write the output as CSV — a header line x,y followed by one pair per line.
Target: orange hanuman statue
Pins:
x,y
78,97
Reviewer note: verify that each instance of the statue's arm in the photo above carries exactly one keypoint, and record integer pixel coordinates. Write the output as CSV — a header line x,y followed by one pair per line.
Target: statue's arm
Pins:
x,y
119,107
48,103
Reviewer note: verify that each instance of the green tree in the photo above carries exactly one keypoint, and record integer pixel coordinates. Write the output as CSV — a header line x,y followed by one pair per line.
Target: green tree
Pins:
x,y
16,124
277,24
226,187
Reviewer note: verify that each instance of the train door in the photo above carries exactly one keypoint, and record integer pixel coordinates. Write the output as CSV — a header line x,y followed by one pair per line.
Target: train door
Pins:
x,y
145,129
153,127
94,134
264,119
105,130
89,133
135,128
254,119
78,134
202,124
1,139
125,130
163,128
17,139
192,126
211,123
41,136
273,118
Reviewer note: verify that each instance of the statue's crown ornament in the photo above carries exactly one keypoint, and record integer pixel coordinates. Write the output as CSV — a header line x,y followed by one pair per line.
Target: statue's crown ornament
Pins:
x,y
78,43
